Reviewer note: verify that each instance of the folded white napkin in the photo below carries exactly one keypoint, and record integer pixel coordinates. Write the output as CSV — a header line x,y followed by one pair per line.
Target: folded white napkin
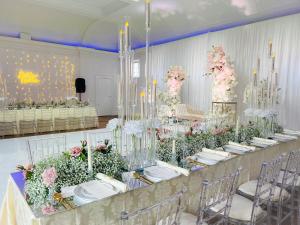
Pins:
x,y
252,148
292,132
117,184
265,141
176,168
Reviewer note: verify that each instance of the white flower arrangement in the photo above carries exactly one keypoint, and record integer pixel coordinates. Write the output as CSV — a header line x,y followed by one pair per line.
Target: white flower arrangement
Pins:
x,y
113,124
135,128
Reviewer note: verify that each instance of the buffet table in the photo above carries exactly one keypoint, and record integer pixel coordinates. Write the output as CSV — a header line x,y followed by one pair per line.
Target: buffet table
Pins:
x,y
15,210
14,116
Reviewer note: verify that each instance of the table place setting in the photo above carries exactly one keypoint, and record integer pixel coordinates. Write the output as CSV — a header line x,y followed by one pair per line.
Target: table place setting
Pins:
x,y
92,191
102,187
262,142
150,175
291,132
208,157
284,137
236,148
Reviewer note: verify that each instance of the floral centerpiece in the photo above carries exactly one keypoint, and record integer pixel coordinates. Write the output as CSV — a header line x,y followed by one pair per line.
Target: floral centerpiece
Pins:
x,y
47,104
192,142
70,168
174,81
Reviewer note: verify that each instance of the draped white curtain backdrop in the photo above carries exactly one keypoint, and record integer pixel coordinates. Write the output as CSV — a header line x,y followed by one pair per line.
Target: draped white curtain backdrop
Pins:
x,y
244,45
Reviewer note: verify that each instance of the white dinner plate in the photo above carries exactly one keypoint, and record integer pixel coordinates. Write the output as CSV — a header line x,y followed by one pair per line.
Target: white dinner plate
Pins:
x,y
238,148
206,161
161,173
258,144
231,149
211,156
92,191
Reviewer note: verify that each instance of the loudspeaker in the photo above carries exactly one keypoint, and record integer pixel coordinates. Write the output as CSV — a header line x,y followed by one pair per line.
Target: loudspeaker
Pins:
x,y
80,85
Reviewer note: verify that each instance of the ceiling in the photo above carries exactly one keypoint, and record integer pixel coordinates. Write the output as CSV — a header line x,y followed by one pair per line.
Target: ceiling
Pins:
x,y
95,23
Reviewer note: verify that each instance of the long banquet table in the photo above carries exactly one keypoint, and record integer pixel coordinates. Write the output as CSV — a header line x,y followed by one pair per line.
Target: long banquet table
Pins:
x,y
15,210
53,112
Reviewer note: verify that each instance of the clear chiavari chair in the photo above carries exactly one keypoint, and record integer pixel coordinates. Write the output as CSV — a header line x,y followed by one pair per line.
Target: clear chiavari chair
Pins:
x,y
39,149
27,125
262,192
286,208
8,123
215,201
45,122
165,212
61,121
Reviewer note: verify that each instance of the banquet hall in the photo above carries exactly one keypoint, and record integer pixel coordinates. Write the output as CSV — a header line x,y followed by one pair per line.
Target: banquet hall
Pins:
x,y
149,112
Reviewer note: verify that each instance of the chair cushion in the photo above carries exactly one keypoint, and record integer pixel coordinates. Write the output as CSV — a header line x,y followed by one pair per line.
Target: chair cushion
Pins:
x,y
188,219
249,189
241,208
289,180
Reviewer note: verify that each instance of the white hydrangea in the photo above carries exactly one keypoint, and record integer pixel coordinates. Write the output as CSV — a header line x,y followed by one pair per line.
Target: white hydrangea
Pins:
x,y
113,124
134,127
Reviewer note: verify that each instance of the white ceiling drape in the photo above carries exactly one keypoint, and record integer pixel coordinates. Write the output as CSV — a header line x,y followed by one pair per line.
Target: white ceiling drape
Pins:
x,y
244,45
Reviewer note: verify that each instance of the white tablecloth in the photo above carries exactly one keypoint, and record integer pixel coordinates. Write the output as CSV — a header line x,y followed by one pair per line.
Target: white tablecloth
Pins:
x,y
37,114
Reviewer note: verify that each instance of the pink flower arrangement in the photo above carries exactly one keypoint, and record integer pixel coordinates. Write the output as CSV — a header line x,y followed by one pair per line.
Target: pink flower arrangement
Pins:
x,y
175,78
49,176
224,75
48,210
75,151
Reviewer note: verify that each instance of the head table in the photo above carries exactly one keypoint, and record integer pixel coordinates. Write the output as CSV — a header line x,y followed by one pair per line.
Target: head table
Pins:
x,y
35,115
16,211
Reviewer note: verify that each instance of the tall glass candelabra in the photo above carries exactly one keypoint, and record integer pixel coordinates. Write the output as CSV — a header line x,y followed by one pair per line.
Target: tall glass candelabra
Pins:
x,y
262,95
137,112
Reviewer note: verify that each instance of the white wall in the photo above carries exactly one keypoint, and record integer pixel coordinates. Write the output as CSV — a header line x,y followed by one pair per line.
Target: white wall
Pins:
x,y
57,67
95,64
244,45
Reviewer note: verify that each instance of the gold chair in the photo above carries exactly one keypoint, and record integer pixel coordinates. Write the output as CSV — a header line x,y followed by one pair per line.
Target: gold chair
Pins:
x,y
8,123
45,122
61,122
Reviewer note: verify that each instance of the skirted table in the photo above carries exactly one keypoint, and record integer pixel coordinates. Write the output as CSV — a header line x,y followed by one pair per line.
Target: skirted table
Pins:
x,y
24,121
16,211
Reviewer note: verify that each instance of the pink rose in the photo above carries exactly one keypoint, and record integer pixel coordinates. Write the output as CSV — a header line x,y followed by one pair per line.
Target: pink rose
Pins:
x,y
75,151
48,209
49,176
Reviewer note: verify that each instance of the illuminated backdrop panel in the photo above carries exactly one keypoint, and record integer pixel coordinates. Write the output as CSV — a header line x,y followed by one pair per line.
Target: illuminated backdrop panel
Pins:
x,y
30,75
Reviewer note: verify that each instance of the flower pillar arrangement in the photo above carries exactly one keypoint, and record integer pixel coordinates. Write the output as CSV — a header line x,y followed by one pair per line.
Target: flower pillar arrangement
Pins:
x,y
224,79
174,80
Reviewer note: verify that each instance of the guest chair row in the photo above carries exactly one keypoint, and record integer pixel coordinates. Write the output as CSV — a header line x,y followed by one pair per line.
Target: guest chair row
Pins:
x,y
271,199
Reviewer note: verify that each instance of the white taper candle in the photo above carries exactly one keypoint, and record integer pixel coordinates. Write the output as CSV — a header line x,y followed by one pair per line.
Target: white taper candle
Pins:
x,y
89,152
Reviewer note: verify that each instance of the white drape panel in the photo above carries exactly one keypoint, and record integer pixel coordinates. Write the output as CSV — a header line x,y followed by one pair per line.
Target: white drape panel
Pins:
x,y
244,45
